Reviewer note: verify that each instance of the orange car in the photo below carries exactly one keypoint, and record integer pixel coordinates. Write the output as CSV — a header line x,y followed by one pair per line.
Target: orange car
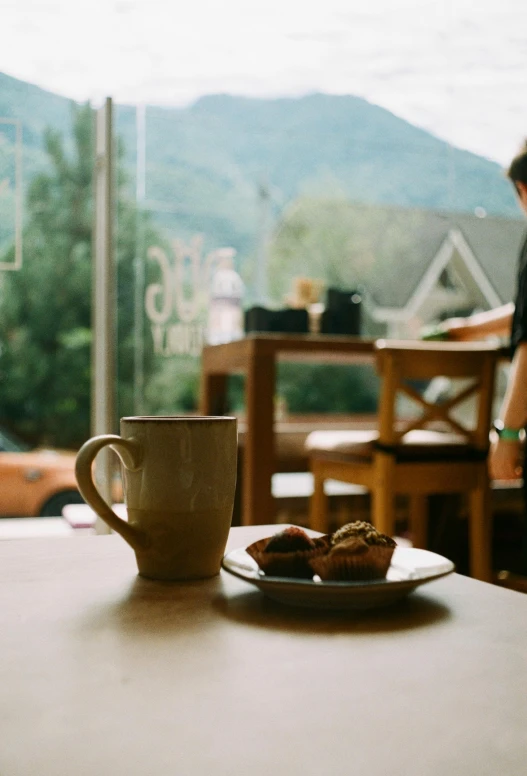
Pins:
x,y
35,483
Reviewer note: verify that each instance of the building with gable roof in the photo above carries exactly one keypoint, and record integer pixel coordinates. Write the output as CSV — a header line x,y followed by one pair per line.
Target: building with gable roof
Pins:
x,y
458,263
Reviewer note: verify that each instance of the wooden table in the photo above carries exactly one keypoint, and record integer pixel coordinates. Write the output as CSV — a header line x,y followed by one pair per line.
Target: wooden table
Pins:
x,y
103,673
256,357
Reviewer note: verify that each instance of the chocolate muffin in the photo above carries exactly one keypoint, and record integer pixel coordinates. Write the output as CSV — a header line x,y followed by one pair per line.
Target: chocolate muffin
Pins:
x,y
362,530
287,553
358,552
292,539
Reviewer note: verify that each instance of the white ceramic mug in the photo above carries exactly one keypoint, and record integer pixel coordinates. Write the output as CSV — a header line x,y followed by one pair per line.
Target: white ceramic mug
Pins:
x,y
179,478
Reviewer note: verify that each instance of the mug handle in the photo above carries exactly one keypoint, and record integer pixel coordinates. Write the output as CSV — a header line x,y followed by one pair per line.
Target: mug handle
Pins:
x,y
130,453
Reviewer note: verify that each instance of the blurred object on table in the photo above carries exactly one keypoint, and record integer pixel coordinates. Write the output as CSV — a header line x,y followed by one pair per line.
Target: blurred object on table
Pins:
x,y
226,294
261,319
315,312
343,312
306,291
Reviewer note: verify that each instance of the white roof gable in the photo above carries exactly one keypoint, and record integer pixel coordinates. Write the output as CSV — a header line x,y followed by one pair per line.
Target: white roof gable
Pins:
x,y
453,245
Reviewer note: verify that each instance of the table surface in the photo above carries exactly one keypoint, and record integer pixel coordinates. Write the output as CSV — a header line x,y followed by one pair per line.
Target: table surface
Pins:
x,y
102,672
231,357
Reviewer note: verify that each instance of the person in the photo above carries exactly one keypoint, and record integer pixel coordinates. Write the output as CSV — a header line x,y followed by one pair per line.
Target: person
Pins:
x,y
506,451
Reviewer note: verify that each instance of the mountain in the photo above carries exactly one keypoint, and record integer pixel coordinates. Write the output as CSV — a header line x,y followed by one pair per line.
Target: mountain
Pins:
x,y
36,109
215,166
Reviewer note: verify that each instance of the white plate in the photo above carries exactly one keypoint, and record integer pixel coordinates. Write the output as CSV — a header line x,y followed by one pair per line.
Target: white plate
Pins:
x,y
409,568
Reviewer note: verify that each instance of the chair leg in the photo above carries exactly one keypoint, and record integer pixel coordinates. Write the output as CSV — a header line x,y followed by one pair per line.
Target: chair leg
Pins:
x,y
383,511
318,503
382,495
480,529
418,519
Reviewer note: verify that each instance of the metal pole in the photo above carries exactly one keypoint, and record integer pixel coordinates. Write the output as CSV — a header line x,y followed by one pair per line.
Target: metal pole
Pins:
x,y
104,301
139,265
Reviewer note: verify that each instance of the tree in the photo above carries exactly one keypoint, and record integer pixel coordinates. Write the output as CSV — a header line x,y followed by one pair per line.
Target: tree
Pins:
x,y
347,245
45,308
340,244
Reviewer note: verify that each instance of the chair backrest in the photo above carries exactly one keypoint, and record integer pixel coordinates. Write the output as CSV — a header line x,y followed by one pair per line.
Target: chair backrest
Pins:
x,y
402,364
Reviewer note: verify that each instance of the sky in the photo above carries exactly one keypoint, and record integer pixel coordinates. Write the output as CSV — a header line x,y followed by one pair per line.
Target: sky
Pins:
x,y
457,68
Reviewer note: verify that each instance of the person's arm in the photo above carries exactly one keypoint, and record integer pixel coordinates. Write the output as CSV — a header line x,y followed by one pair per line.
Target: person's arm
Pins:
x,y
506,455
495,322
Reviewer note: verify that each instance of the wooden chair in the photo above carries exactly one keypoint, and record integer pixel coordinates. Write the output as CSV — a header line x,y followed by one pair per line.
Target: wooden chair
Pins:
x,y
436,452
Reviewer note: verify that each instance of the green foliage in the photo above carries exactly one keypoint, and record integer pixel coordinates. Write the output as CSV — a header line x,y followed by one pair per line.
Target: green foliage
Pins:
x,y
384,250
45,308
320,388
346,245
205,164
173,386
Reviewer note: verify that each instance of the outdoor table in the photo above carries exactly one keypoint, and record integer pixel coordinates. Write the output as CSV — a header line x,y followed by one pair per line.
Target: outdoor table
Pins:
x,y
256,357
103,672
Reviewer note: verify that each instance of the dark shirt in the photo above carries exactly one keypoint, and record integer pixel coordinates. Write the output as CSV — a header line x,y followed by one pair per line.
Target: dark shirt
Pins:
x,y
519,318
